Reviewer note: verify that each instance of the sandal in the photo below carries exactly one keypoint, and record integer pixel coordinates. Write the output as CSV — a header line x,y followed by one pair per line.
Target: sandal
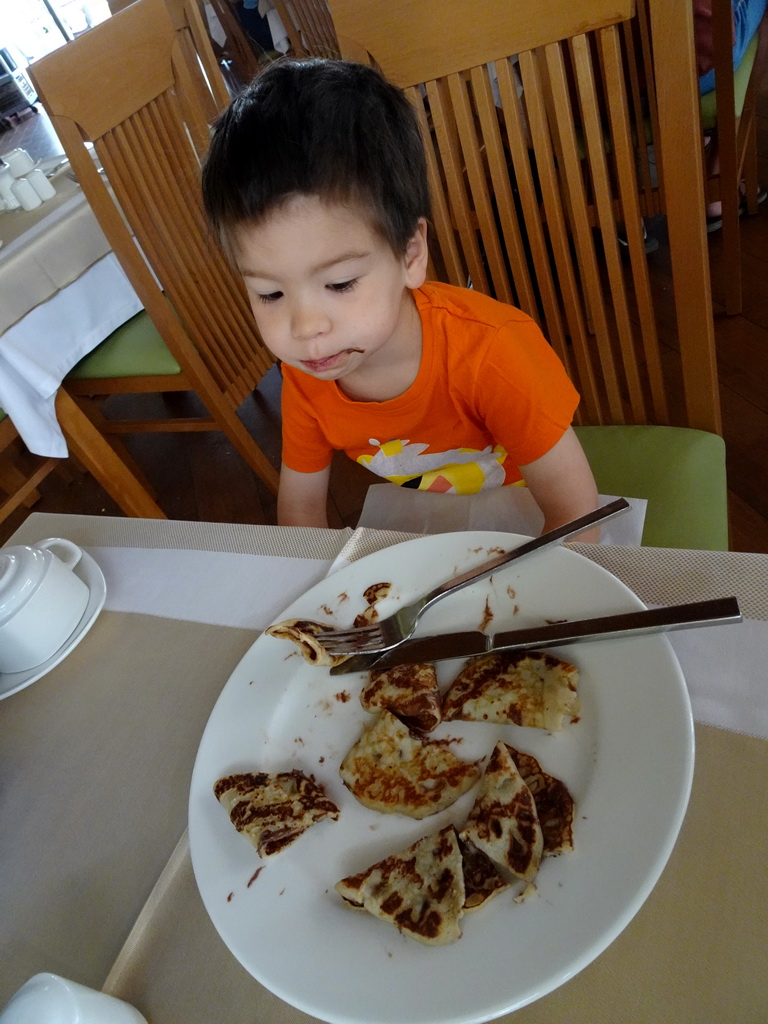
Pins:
x,y
715,221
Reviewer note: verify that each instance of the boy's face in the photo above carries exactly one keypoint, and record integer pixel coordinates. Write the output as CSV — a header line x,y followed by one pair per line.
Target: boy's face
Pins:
x,y
329,296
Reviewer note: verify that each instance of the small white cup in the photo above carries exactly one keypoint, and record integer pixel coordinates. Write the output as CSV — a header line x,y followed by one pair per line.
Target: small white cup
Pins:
x,y
40,184
49,999
19,161
41,602
25,194
9,200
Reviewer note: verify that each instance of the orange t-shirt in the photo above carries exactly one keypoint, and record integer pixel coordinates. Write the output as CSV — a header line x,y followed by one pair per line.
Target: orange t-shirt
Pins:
x,y
490,395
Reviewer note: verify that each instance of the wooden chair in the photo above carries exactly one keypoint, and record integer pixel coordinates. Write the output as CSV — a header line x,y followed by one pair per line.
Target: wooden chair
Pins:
x,y
528,196
238,52
729,112
21,472
197,332
18,485
309,27
196,45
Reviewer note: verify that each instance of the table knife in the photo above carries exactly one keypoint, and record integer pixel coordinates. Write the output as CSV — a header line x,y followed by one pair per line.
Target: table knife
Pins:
x,y
718,612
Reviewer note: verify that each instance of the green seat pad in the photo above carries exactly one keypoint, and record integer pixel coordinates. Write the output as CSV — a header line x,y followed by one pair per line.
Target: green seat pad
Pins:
x,y
740,82
135,349
681,473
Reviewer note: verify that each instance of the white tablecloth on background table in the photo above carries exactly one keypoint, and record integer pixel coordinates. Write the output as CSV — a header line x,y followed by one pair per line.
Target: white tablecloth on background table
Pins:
x,y
38,352
63,292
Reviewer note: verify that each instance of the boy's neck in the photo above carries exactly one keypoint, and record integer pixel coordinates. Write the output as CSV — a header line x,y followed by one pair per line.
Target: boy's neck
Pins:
x,y
395,367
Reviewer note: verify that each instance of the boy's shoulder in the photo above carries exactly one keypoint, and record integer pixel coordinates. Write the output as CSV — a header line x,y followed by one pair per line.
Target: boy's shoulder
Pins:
x,y
466,304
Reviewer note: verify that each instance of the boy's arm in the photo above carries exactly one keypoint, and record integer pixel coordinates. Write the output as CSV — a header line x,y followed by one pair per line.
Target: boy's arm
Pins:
x,y
563,486
302,498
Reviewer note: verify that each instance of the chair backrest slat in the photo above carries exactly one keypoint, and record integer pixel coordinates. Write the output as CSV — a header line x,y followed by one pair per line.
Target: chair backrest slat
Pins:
x,y
309,27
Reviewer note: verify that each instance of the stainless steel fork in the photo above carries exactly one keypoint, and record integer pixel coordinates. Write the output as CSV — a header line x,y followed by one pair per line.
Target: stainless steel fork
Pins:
x,y
387,633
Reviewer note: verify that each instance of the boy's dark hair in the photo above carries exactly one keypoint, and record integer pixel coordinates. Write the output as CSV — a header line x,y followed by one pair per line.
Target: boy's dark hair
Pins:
x,y
328,128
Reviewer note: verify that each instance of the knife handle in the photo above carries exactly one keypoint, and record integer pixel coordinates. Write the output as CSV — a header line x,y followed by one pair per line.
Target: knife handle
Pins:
x,y
546,540
720,611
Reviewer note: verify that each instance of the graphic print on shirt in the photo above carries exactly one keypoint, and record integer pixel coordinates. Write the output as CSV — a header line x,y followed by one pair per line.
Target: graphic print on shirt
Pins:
x,y
458,471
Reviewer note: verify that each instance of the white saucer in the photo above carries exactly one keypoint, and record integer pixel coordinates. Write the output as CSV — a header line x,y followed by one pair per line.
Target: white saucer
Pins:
x,y
92,576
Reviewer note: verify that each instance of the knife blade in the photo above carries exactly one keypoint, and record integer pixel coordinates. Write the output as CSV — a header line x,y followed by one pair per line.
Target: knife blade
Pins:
x,y
441,647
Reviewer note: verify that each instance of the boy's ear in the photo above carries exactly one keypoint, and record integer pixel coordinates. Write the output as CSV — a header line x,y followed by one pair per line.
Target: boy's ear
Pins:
x,y
416,256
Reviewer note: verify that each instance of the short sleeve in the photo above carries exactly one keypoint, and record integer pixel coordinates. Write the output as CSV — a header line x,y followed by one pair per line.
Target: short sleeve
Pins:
x,y
523,392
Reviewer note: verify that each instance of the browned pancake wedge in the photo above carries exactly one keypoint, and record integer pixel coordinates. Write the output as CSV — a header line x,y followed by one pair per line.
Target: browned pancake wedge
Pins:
x,y
554,804
393,771
503,822
303,632
273,810
536,690
481,879
419,890
409,691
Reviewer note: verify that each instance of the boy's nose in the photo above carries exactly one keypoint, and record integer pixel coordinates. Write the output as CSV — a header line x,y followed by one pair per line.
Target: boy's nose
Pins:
x,y
308,322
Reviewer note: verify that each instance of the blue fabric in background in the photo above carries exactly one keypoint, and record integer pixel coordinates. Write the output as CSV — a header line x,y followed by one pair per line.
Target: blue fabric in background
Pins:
x,y
253,23
747,15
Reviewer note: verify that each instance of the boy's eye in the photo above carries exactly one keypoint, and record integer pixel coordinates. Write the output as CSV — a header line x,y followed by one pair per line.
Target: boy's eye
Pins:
x,y
271,297
343,286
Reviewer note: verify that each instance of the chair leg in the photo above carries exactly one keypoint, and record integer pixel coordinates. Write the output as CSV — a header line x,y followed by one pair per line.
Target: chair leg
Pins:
x,y
102,461
749,171
12,481
90,407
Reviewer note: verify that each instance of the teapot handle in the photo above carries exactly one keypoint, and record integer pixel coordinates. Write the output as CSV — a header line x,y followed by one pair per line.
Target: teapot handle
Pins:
x,y
72,553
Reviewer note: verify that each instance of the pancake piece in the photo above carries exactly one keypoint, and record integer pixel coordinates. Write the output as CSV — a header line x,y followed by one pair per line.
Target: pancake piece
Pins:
x,y
409,691
503,822
514,687
419,890
303,632
273,810
392,771
554,804
481,879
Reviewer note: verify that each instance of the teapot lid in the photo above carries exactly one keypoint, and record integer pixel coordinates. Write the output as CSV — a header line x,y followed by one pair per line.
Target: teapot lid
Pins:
x,y
22,569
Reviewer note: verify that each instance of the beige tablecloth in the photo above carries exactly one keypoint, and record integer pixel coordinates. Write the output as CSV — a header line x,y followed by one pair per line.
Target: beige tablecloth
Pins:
x,y
120,720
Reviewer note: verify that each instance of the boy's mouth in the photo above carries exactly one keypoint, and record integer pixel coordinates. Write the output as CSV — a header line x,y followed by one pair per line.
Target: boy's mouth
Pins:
x,y
329,362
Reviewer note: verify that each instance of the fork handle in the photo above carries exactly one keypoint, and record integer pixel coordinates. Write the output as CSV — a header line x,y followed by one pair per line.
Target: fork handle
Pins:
x,y
546,540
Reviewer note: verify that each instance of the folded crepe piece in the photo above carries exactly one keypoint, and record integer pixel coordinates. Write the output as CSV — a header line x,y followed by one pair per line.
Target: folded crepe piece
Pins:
x,y
419,890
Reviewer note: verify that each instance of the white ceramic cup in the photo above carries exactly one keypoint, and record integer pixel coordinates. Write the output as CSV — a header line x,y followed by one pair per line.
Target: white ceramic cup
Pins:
x,y
25,194
19,161
8,199
41,601
40,184
49,999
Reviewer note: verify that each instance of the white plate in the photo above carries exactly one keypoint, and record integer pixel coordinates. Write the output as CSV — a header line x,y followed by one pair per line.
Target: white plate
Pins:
x,y
628,763
92,576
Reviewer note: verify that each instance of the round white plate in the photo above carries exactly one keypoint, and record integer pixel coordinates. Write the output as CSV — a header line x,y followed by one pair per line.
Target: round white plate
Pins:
x,y
628,763
92,576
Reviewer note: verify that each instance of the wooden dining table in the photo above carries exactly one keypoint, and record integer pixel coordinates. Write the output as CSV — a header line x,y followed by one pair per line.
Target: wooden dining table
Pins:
x,y
96,759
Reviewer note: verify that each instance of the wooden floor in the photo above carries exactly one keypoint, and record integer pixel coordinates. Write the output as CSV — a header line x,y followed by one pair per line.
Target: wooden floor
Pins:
x,y
199,477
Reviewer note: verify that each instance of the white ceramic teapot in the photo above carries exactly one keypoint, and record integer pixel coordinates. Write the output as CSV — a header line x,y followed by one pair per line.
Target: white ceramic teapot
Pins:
x,y
41,601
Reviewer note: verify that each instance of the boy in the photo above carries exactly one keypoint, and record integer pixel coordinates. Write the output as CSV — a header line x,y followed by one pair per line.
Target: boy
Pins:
x,y
316,184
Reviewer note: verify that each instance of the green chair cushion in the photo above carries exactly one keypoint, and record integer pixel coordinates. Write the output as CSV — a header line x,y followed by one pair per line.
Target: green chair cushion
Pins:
x,y
134,350
740,83
681,473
